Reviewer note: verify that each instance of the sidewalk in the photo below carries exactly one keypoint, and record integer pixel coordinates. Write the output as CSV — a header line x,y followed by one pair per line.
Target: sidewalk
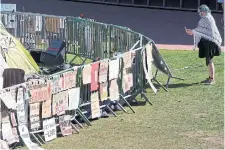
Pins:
x,y
178,47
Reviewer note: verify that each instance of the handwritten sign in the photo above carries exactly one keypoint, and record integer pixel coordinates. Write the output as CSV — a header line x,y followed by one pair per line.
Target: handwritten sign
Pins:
x,y
114,69
46,109
60,103
20,107
114,90
57,84
86,74
103,71
65,125
94,76
34,116
74,98
70,79
40,92
95,107
103,91
127,60
49,127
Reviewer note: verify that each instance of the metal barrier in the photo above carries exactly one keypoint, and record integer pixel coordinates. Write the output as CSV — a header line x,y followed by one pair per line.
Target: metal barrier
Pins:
x,y
135,54
83,37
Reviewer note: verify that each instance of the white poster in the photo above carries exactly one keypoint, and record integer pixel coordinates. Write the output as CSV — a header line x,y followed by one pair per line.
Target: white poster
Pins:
x,y
114,69
95,107
127,60
34,116
86,74
57,84
7,132
103,71
74,98
8,100
24,134
60,103
20,107
65,125
49,127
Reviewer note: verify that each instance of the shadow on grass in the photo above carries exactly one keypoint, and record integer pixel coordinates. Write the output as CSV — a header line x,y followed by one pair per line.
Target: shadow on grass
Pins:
x,y
179,85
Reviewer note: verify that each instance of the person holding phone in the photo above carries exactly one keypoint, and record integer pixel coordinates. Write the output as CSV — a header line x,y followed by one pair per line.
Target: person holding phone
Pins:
x,y
208,40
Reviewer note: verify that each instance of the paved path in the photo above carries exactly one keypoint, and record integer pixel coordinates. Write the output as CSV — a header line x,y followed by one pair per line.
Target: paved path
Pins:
x,y
162,26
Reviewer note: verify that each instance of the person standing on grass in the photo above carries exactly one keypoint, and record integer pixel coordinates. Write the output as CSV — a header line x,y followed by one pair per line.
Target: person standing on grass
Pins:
x,y
208,40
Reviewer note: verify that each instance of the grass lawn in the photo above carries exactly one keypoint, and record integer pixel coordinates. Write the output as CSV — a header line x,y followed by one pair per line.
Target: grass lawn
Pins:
x,y
189,116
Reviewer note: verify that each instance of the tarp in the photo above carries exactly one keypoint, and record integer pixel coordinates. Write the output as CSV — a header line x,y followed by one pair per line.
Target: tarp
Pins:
x,y
15,54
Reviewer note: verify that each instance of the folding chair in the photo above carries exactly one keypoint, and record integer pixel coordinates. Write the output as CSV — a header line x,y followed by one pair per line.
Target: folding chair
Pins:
x,y
55,54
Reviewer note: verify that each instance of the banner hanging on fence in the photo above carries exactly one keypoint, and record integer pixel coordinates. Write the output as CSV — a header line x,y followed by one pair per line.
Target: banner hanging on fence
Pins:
x,y
86,74
103,91
40,91
94,76
60,103
127,60
95,107
74,98
34,116
49,127
46,109
65,125
103,71
114,69
21,112
70,79
114,90
57,84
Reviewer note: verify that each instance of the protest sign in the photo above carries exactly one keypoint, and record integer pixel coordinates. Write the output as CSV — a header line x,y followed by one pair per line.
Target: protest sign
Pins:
x,y
70,79
114,69
34,116
94,76
46,109
20,107
49,127
126,60
103,71
114,90
60,103
74,98
86,74
8,100
65,125
95,107
57,84
103,91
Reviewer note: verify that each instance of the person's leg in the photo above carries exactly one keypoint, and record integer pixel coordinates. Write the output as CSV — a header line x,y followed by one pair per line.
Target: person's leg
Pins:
x,y
211,71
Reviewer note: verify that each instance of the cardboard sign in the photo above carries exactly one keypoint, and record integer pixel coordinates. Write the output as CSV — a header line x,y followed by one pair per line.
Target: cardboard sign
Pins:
x,y
114,69
104,91
49,127
70,79
103,71
34,116
74,98
57,84
94,76
24,134
114,90
95,107
86,74
40,92
65,125
60,103
46,109
20,107
127,60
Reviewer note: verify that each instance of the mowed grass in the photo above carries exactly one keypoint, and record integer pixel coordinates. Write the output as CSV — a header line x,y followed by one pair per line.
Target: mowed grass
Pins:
x,y
189,116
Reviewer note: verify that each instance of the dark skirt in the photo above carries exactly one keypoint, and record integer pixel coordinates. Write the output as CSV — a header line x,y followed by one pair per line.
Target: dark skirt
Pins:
x,y
208,49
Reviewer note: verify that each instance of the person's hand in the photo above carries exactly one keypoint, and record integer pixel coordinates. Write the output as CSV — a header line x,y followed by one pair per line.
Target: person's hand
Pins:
x,y
189,31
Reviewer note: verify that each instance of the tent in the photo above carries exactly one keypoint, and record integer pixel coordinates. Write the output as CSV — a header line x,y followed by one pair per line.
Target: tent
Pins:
x,y
14,55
